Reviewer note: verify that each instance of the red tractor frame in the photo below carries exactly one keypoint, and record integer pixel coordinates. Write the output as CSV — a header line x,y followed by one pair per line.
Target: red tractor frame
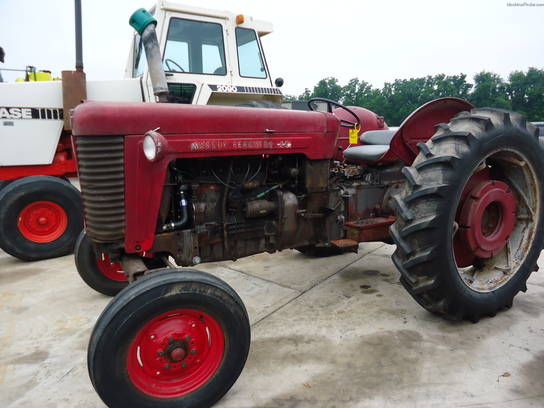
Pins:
x,y
457,189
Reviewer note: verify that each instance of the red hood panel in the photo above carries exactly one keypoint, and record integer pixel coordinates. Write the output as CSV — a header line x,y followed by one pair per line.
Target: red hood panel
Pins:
x,y
132,118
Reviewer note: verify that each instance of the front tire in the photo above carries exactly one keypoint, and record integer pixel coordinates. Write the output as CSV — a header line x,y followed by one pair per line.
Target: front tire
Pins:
x,y
176,338
98,273
470,222
40,217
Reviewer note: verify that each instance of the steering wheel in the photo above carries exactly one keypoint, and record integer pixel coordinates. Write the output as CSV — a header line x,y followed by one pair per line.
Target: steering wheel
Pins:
x,y
330,104
168,61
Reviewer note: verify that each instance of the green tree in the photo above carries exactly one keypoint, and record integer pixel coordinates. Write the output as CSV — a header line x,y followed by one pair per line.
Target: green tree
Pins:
x,y
526,92
289,98
403,96
489,91
523,93
306,95
444,86
328,88
357,93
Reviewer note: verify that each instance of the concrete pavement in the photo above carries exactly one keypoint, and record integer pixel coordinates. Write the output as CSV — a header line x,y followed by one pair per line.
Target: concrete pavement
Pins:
x,y
326,332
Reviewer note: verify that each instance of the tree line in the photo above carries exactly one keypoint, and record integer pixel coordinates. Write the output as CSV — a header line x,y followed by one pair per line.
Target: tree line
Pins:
x,y
523,92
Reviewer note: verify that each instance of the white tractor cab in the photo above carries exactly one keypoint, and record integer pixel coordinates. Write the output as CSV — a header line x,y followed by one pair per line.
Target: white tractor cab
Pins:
x,y
208,57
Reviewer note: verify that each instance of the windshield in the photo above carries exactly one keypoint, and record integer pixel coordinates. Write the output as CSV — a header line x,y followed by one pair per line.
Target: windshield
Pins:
x,y
194,47
250,59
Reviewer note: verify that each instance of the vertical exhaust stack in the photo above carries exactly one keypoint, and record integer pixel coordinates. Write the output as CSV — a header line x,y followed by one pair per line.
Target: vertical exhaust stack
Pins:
x,y
74,83
144,24
79,36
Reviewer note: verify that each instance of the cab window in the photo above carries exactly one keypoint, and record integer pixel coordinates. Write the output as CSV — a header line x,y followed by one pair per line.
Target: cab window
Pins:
x,y
194,47
250,60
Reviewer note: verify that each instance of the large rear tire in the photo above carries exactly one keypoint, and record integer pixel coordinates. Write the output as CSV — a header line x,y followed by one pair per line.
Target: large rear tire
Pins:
x,y
40,217
470,222
176,338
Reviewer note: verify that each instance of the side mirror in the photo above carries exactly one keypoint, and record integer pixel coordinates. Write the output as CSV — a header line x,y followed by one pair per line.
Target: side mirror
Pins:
x,y
279,82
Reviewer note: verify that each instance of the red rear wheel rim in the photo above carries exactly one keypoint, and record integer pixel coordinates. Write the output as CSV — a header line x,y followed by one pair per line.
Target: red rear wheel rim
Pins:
x,y
42,222
488,218
485,215
175,353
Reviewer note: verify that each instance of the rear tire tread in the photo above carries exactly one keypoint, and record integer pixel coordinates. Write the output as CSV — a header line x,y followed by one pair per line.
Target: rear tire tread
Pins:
x,y
423,205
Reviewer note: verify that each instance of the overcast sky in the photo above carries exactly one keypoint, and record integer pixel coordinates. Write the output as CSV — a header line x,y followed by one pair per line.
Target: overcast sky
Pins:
x,y
374,40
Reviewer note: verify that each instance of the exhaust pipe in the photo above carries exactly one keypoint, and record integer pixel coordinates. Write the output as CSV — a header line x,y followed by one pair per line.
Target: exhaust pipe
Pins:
x,y
74,83
79,37
144,24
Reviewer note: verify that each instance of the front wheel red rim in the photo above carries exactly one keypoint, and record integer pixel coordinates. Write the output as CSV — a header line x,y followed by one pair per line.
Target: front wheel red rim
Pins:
x,y
42,222
113,271
175,353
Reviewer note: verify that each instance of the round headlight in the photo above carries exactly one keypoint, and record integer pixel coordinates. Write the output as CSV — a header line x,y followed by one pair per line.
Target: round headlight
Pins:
x,y
154,146
150,150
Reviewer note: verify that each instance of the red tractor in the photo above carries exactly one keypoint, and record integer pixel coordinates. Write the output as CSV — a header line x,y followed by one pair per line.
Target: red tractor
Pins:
x,y
166,186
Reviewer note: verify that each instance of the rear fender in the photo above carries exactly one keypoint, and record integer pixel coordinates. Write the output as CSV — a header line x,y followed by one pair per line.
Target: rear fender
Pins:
x,y
420,125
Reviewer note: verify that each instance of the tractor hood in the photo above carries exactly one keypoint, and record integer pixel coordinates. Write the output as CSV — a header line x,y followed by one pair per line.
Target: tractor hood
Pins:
x,y
189,126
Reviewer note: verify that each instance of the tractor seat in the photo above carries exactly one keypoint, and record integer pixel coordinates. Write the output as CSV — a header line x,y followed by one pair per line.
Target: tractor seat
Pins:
x,y
376,144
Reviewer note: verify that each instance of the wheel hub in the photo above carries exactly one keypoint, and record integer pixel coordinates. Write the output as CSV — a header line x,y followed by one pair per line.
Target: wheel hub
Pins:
x,y
42,221
176,351
487,218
